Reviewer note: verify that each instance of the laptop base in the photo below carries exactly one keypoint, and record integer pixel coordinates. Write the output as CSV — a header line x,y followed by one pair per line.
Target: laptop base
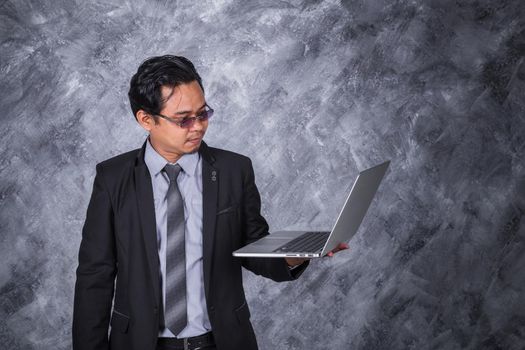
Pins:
x,y
265,247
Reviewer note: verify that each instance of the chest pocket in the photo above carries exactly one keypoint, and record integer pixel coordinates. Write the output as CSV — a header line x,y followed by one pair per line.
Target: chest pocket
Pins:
x,y
229,209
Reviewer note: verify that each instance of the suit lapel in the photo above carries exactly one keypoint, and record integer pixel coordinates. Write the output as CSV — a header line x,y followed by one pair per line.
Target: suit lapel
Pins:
x,y
146,210
210,185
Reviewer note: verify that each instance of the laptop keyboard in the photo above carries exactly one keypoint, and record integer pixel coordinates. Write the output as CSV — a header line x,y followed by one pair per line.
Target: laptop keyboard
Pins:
x,y
307,242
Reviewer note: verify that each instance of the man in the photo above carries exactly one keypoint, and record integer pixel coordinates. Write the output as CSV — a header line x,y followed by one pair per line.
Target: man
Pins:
x,y
155,261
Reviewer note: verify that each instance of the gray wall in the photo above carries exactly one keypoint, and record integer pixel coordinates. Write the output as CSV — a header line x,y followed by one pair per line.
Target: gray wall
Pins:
x,y
313,92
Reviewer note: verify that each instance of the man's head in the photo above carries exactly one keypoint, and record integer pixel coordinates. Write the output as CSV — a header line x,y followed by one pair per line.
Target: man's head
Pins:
x,y
164,91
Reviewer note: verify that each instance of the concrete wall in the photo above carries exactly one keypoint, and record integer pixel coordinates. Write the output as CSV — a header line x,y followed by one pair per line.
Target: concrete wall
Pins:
x,y
313,92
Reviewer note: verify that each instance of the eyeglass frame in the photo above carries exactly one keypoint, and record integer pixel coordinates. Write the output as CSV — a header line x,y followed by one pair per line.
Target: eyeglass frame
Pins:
x,y
209,113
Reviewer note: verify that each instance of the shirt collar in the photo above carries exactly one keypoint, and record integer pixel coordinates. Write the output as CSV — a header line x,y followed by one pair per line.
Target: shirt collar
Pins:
x,y
155,162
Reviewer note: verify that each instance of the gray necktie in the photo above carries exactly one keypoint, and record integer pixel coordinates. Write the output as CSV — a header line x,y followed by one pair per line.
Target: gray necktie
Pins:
x,y
175,311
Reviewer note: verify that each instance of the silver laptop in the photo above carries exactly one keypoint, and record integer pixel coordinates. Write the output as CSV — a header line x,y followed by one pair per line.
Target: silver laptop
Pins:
x,y
314,244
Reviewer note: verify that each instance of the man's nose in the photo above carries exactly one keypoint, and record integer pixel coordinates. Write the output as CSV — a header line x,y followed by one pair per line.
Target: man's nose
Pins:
x,y
198,124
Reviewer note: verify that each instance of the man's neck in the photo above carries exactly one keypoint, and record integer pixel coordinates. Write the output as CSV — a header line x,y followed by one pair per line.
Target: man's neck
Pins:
x,y
171,157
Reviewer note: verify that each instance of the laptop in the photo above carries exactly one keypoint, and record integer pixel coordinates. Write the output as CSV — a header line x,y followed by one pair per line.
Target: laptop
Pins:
x,y
316,244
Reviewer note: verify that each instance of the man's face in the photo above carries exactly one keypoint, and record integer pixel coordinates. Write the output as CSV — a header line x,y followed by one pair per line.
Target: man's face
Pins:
x,y
169,139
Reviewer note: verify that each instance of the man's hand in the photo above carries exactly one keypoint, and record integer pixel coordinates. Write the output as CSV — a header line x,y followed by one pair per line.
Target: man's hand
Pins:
x,y
340,246
298,261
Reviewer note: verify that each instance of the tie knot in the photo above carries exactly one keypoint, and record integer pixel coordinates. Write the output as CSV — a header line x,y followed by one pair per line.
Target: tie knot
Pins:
x,y
172,170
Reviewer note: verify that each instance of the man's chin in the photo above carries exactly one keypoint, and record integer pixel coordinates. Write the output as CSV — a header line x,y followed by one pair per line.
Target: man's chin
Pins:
x,y
194,148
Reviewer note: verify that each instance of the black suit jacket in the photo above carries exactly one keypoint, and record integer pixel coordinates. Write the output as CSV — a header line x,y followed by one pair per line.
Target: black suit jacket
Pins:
x,y
118,257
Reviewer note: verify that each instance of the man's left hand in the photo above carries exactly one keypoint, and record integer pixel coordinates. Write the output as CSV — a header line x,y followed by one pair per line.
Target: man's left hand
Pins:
x,y
298,261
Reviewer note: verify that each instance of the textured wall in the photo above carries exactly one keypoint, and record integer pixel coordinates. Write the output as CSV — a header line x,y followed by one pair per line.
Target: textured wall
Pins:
x,y
312,91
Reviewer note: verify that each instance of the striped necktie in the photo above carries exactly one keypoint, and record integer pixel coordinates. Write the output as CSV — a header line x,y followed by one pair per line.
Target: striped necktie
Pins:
x,y
175,309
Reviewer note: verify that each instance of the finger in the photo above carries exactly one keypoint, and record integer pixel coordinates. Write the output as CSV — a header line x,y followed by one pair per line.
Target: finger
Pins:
x,y
342,246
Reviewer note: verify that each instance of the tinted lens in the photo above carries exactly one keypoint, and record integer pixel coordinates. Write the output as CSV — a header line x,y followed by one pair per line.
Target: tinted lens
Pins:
x,y
186,122
205,115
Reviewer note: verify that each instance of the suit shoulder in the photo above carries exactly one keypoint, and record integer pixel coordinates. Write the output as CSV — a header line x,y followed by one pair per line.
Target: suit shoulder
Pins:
x,y
119,161
229,156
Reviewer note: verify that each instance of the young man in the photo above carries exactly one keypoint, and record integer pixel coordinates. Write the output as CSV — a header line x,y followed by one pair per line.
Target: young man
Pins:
x,y
155,261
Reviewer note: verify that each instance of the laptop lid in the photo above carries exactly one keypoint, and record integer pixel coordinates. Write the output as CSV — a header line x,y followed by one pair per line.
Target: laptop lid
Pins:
x,y
356,205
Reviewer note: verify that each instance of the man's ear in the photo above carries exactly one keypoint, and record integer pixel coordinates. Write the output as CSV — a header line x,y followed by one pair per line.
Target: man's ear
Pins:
x,y
145,120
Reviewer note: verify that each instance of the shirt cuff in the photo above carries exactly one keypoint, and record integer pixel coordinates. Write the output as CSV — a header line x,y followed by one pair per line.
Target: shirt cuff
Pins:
x,y
297,270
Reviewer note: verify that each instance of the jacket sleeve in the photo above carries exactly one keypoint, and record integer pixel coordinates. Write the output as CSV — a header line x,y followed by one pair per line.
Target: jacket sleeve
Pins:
x,y
95,273
255,227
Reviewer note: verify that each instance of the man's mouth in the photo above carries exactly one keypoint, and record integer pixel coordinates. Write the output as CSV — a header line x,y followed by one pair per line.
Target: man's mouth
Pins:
x,y
195,139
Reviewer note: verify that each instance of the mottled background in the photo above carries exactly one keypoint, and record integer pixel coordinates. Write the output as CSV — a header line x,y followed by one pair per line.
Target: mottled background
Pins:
x,y
313,91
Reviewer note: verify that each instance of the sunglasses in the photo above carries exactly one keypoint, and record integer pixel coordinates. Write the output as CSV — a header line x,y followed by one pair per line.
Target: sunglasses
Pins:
x,y
187,122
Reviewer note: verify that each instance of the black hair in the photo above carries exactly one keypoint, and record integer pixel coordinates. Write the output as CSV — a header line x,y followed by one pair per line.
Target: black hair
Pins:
x,y
145,86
